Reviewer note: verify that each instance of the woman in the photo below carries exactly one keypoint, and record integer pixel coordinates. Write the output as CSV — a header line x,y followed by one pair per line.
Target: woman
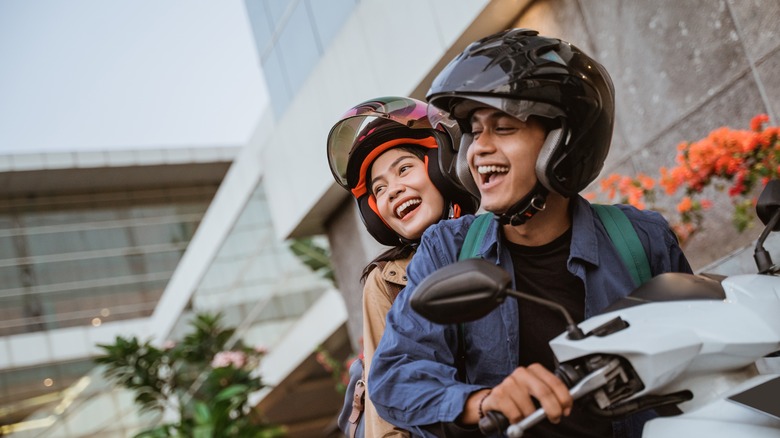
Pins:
x,y
385,153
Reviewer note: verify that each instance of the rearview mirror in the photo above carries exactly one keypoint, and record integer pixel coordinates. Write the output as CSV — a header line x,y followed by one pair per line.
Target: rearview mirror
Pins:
x,y
461,292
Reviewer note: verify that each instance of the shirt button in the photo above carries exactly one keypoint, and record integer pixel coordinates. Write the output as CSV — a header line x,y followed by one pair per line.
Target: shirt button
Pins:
x,y
392,273
404,277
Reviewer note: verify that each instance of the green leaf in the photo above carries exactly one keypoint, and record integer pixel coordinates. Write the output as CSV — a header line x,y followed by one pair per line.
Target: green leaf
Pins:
x,y
203,432
202,413
230,392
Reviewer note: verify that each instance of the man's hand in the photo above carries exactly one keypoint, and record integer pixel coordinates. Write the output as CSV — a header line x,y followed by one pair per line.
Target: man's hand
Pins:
x,y
513,396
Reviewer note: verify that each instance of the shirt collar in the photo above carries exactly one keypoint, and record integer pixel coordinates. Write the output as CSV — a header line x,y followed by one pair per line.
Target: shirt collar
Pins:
x,y
584,237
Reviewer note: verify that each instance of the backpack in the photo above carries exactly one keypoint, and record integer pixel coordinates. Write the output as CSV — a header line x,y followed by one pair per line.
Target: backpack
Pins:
x,y
623,237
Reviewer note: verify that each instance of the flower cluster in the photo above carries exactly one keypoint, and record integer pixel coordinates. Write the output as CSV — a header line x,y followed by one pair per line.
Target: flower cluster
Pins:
x,y
339,370
737,161
236,359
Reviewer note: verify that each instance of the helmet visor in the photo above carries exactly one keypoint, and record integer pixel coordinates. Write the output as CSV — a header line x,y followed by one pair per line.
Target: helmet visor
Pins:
x,y
461,109
363,120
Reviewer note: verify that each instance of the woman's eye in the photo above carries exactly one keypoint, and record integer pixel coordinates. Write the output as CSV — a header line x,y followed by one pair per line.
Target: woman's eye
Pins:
x,y
378,190
404,168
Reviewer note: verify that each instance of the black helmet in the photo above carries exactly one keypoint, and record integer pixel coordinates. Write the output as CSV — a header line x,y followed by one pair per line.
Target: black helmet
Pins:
x,y
524,74
372,127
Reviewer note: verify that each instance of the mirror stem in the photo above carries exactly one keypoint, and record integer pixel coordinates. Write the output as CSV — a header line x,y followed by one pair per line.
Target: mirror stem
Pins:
x,y
761,255
573,330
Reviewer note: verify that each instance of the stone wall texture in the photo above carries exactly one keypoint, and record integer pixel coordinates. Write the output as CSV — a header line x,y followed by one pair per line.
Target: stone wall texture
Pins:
x,y
681,69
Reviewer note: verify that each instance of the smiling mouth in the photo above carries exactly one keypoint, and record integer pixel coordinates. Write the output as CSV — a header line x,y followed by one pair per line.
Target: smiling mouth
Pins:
x,y
407,207
487,172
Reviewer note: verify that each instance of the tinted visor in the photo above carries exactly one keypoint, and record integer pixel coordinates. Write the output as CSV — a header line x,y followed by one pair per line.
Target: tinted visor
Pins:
x,y
369,118
461,108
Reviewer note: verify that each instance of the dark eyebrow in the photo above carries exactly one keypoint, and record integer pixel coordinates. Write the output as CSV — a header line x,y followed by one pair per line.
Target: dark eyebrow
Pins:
x,y
495,115
392,165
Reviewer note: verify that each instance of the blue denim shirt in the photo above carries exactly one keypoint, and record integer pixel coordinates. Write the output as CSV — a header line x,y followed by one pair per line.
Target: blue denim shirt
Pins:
x,y
413,378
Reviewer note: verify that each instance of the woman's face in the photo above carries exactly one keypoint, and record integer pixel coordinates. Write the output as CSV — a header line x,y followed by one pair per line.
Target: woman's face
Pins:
x,y
406,198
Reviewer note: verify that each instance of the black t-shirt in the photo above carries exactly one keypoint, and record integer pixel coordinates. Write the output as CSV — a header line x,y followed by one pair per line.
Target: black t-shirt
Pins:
x,y
541,271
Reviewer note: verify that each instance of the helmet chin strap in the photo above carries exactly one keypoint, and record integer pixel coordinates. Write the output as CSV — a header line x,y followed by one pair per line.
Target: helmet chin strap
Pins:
x,y
534,202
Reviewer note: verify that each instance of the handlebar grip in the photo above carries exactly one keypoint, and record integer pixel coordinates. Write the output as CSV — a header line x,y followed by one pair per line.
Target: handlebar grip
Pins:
x,y
492,422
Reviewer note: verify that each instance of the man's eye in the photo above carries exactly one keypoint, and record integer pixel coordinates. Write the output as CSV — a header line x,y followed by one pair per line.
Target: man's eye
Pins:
x,y
404,168
378,190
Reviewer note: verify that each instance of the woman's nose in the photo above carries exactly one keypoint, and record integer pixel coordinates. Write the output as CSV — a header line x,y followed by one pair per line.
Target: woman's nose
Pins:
x,y
395,189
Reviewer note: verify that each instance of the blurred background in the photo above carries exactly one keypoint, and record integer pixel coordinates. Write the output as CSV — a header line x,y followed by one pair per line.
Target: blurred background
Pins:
x,y
164,158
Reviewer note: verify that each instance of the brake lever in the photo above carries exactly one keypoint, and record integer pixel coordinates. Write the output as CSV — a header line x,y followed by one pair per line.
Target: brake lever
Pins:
x,y
586,385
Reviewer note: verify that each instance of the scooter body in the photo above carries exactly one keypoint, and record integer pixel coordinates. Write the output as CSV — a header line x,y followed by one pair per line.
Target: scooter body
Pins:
x,y
707,347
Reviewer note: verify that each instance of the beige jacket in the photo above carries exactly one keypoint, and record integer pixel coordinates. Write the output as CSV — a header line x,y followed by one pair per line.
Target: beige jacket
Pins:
x,y
377,299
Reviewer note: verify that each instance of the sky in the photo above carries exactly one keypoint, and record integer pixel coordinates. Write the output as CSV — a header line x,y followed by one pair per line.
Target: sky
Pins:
x,y
79,75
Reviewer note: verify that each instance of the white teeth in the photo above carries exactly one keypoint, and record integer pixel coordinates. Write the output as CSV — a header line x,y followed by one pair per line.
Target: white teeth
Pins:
x,y
492,169
400,209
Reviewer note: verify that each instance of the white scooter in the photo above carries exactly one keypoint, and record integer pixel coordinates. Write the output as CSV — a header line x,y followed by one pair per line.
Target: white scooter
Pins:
x,y
689,346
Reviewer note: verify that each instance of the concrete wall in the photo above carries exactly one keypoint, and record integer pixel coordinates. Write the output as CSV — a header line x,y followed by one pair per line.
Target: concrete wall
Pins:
x,y
681,69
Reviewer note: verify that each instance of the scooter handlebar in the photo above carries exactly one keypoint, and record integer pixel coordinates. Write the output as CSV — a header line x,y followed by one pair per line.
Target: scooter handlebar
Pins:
x,y
494,421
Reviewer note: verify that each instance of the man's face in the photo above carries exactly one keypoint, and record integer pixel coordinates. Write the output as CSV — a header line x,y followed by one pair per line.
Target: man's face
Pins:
x,y
502,157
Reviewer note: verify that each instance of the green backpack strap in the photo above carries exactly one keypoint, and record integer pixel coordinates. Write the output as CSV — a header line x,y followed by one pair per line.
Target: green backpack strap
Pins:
x,y
469,250
626,241
474,236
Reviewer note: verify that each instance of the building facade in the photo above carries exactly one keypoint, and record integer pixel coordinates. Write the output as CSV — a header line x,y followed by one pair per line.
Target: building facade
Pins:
x,y
680,70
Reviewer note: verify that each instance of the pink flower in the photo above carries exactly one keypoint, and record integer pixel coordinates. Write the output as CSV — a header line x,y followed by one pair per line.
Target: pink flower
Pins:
x,y
227,358
169,344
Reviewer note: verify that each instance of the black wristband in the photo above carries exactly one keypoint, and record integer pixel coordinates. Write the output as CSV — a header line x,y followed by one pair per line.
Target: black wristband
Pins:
x,y
481,412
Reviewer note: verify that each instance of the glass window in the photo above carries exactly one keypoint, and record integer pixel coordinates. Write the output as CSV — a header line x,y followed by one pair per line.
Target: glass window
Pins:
x,y
68,259
298,46
276,10
278,87
259,22
329,17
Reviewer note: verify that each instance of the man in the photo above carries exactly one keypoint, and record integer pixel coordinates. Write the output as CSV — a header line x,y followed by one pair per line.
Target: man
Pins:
x,y
536,115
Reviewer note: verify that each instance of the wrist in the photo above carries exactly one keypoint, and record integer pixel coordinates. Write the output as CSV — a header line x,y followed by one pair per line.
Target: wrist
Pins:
x,y
482,400
471,411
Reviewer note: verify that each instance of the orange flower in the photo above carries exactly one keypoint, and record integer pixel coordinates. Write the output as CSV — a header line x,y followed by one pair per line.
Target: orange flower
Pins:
x,y
645,181
685,205
730,160
758,121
